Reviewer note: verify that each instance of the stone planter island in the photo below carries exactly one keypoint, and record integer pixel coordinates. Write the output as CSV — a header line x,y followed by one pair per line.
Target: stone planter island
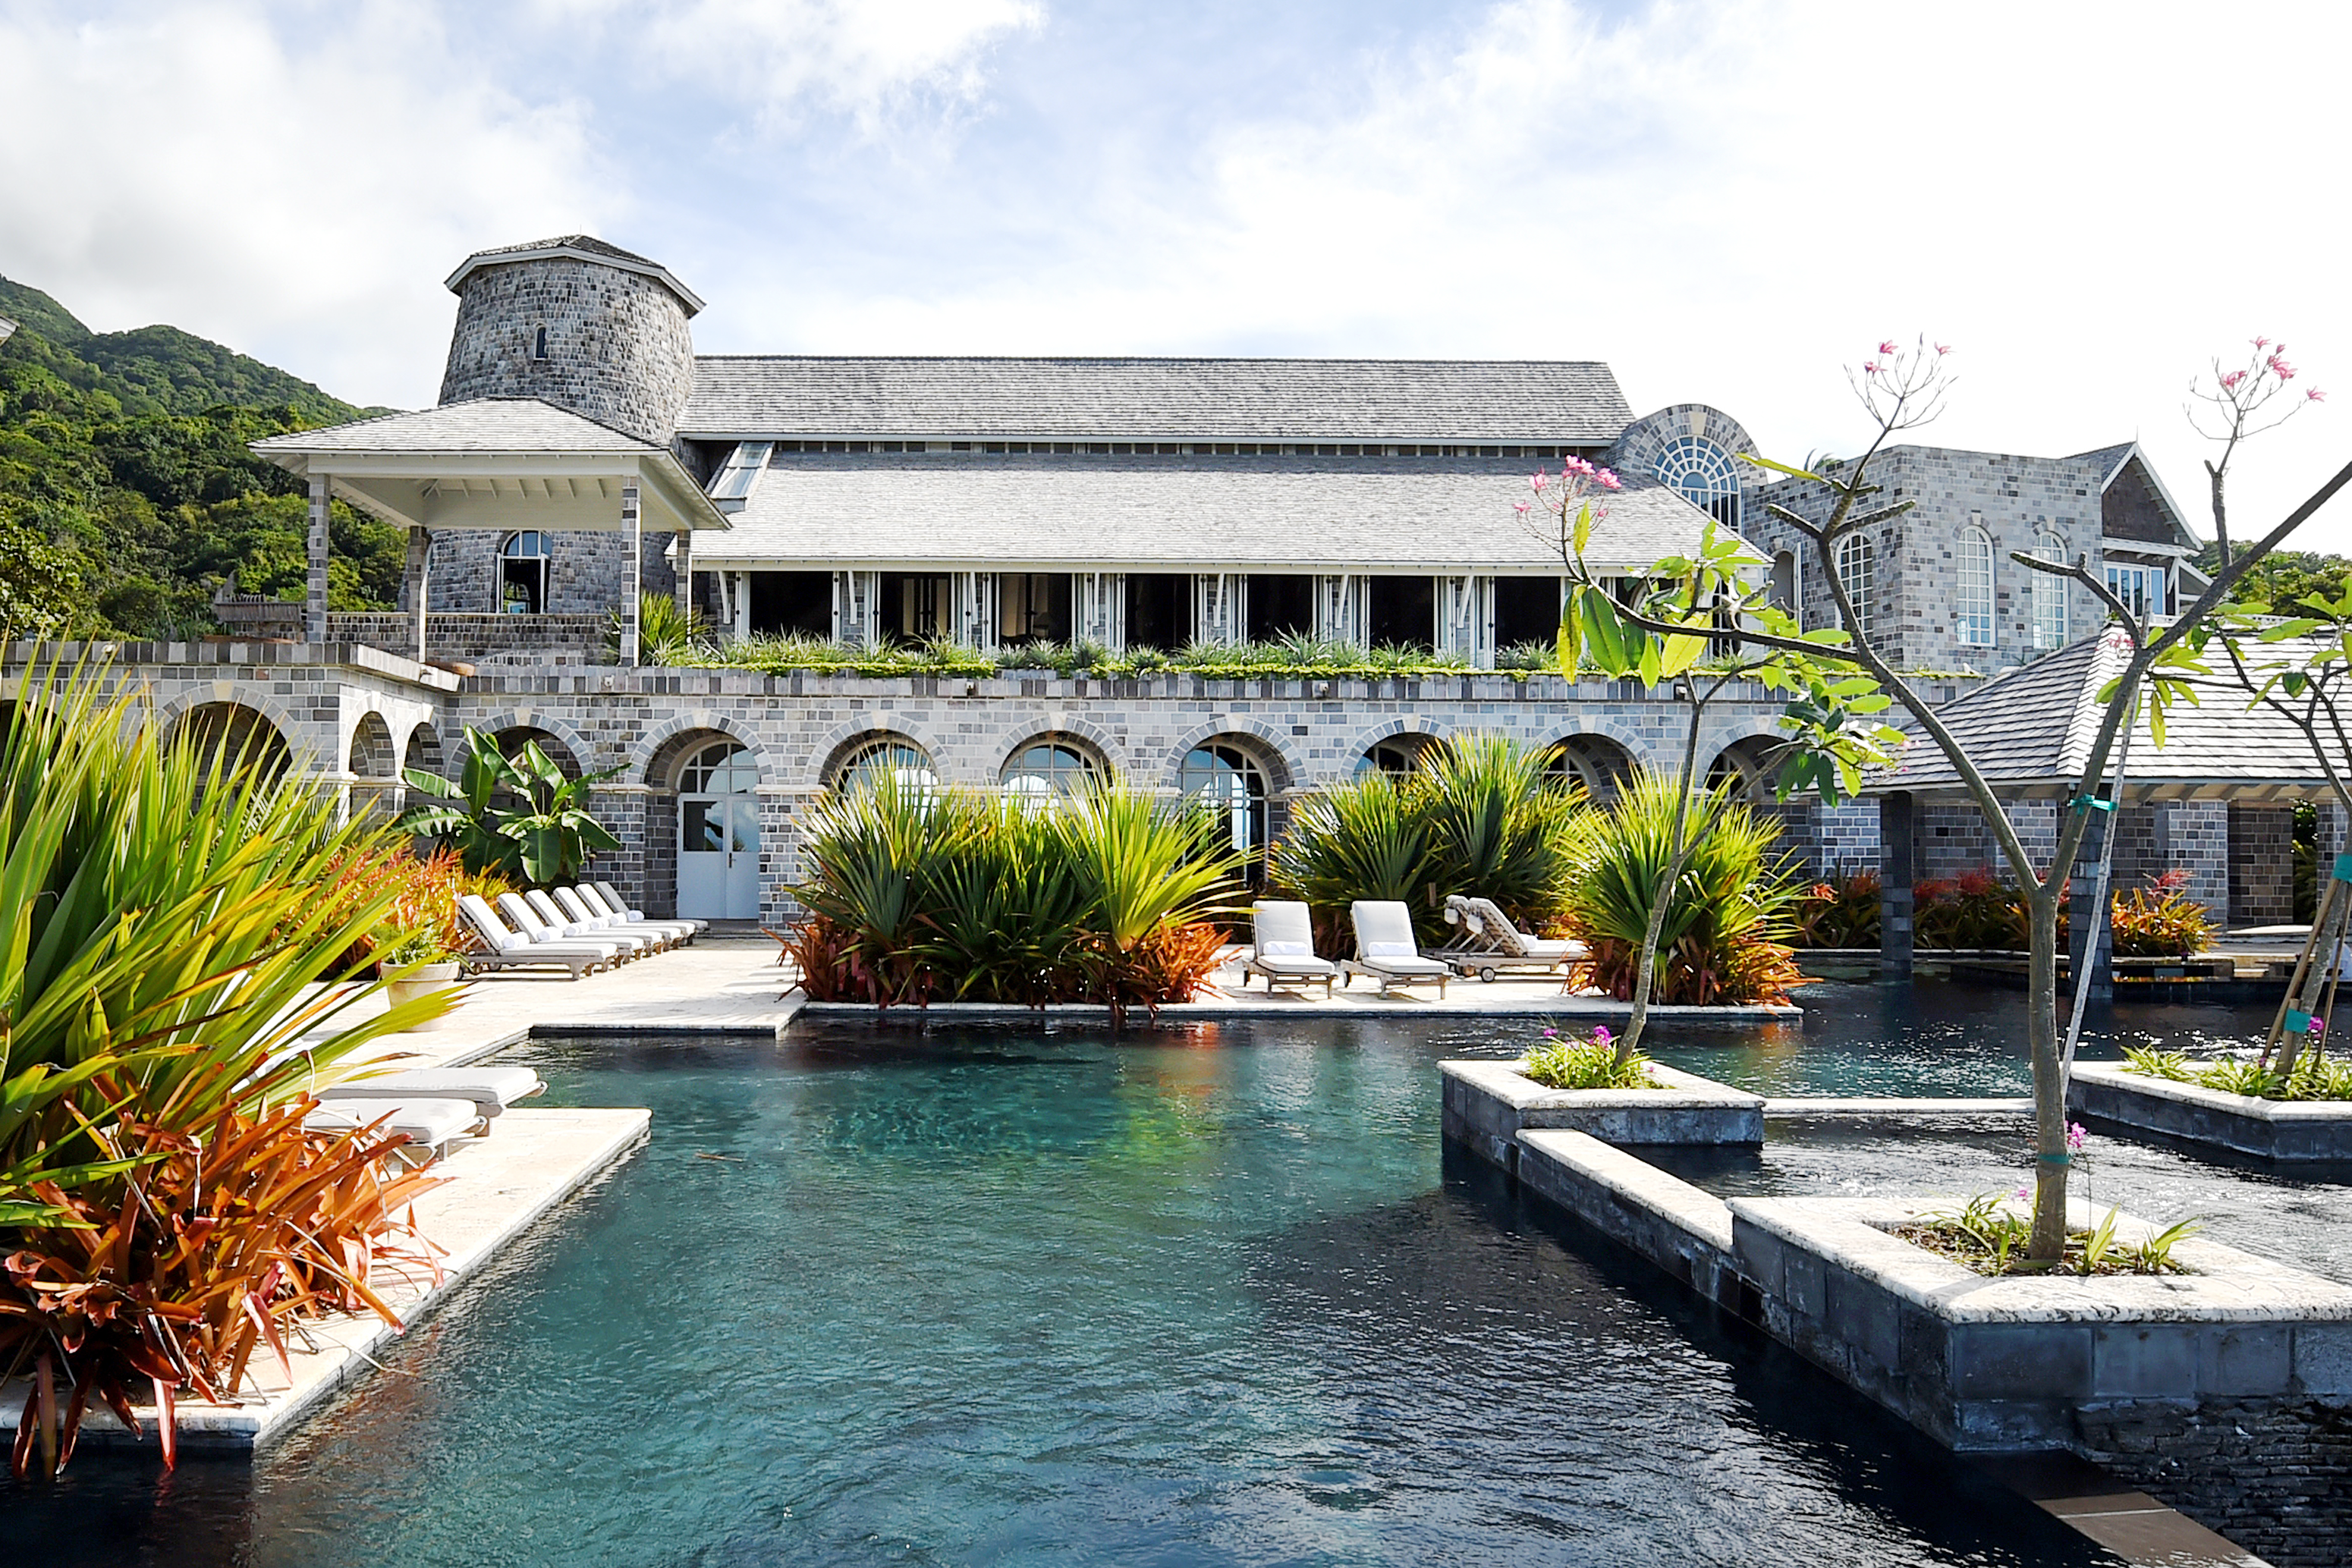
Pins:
x,y
2287,1131
1489,1104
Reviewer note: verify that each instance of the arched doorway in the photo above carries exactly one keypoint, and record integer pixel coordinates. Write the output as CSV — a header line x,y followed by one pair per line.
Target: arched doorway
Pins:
x,y
233,737
374,770
1595,761
718,833
1398,756
1048,768
1231,782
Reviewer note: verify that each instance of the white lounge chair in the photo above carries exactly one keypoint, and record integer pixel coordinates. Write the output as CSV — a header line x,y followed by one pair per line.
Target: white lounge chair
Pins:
x,y
1284,949
529,921
617,902
635,944
432,1126
680,931
1491,945
513,950
586,917
491,1088
1385,948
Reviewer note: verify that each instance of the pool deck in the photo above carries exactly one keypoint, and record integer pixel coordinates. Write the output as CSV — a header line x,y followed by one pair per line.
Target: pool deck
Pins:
x,y
496,1188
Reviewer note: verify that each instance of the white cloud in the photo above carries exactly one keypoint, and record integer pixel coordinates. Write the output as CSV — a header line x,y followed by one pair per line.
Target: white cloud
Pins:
x,y
296,192
863,57
1729,201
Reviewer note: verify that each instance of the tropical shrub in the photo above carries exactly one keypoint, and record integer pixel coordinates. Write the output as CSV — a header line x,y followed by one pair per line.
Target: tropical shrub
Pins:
x,y
517,817
1564,1063
1838,910
164,935
2314,1077
422,911
1973,910
1728,916
667,637
2160,920
1483,816
922,894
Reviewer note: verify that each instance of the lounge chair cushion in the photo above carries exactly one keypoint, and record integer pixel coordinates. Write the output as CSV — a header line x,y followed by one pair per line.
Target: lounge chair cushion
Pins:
x,y
491,1088
539,931
489,927
429,1123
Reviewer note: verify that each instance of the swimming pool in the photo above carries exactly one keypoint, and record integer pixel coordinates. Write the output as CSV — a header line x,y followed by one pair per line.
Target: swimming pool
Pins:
x,y
1024,1295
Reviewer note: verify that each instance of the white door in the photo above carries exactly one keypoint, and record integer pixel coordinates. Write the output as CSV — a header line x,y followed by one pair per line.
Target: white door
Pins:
x,y
719,835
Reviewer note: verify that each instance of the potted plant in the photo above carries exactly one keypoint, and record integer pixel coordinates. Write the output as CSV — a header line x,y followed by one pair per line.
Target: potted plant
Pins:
x,y
420,962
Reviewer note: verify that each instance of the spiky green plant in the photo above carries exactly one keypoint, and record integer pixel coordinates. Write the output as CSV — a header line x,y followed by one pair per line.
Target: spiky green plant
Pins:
x,y
1727,919
1366,839
1501,826
667,636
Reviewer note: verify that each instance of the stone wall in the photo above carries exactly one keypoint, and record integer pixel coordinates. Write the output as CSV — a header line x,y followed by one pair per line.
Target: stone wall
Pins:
x,y
587,573
618,347
2018,501
2275,1480
2261,865
470,638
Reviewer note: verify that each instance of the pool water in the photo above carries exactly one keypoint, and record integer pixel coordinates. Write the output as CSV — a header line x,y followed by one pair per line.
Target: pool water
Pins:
x,y
1209,1294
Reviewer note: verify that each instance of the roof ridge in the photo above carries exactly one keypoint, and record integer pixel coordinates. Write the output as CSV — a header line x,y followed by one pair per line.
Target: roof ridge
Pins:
x,y
1139,358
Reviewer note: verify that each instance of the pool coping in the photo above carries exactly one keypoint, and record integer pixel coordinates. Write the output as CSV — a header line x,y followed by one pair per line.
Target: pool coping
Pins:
x,y
1488,1104
1286,1004
499,1187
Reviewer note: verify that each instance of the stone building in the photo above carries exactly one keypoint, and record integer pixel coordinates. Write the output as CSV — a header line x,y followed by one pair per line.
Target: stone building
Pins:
x,y
583,452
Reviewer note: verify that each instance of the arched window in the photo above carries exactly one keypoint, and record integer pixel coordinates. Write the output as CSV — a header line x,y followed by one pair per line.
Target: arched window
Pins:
x,y
1227,780
1037,773
1396,757
900,761
1857,565
522,574
2049,596
722,768
1704,473
1972,594
539,345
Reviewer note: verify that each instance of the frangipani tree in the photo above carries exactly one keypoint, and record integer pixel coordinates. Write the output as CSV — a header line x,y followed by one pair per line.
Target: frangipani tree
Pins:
x,y
1901,390
1687,625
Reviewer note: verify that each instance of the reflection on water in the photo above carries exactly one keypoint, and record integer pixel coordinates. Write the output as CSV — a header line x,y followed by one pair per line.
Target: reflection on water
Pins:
x,y
1025,1295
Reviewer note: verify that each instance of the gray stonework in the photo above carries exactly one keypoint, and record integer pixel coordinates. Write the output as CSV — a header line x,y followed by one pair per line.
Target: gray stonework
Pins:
x,y
2020,502
2261,865
587,573
552,639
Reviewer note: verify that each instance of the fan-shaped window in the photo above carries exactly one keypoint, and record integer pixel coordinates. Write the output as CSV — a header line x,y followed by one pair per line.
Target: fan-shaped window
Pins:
x,y
1972,594
722,768
1858,566
2049,596
899,761
1396,757
1704,473
523,574
1228,780
1047,769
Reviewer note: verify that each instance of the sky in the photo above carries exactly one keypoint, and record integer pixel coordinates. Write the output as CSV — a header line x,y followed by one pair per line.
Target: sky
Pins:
x,y
1729,202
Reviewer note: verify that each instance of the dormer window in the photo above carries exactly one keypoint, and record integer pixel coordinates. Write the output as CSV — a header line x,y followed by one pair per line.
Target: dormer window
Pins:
x,y
538,344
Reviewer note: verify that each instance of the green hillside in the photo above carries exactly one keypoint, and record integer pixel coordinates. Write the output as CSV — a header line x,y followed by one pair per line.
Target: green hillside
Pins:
x,y
126,491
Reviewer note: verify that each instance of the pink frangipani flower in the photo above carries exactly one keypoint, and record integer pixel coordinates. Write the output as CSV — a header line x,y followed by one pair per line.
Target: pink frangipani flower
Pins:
x,y
1943,348
2315,395
1608,481
1601,1035
2232,378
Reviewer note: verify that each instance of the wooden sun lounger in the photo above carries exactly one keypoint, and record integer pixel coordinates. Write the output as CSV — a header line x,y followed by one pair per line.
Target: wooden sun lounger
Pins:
x,y
1283,949
1386,949
512,950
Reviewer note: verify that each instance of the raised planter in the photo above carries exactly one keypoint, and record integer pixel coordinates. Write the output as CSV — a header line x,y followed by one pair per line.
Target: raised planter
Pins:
x,y
2012,1362
1489,1104
2283,1130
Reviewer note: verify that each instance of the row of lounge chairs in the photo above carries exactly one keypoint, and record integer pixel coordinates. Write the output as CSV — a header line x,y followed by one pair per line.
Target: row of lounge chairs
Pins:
x,y
1386,950
583,929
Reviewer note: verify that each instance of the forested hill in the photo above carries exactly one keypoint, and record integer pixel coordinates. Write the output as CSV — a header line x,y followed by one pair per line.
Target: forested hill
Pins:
x,y
126,491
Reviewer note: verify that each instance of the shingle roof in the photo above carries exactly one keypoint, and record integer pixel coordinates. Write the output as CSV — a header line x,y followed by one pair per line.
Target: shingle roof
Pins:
x,y
2107,458
580,248
2031,732
480,424
1174,514
1443,402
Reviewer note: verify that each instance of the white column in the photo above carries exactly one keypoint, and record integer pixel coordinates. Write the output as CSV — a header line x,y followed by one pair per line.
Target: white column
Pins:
x,y
314,608
633,528
740,602
1341,607
420,588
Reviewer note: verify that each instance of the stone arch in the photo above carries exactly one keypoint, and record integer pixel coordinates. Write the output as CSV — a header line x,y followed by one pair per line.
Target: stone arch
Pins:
x,y
657,751
1069,726
1748,762
576,746
1286,770
244,730
1098,765
1410,728
424,751
172,714
512,739
373,761
1596,759
838,742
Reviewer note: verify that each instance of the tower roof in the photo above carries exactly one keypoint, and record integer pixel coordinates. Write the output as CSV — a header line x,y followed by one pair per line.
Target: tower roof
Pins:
x,y
574,247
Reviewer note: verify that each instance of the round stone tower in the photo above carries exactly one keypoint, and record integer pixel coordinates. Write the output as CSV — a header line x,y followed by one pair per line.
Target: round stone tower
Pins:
x,y
578,323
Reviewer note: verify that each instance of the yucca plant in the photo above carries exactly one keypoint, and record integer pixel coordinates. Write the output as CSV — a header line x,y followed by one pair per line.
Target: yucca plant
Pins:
x,y
1729,915
1149,868
667,636
1365,839
162,934
1501,825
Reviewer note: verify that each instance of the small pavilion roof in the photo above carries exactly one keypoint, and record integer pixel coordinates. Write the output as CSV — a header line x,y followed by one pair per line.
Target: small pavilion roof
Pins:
x,y
2030,732
496,463
577,247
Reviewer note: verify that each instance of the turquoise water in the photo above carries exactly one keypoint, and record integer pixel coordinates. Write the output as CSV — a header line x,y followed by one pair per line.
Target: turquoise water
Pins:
x,y
1019,1296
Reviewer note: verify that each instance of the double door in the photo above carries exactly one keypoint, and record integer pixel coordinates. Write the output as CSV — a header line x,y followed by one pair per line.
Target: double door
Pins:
x,y
719,856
